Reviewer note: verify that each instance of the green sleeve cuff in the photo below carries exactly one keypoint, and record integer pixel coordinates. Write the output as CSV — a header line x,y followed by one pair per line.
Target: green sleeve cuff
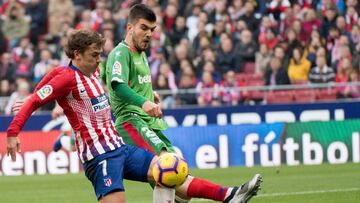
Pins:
x,y
125,93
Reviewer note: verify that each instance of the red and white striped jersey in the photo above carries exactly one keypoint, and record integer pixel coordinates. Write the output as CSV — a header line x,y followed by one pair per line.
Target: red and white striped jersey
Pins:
x,y
85,105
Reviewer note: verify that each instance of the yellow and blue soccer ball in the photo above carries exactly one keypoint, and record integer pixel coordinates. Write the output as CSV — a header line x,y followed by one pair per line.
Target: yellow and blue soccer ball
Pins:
x,y
170,170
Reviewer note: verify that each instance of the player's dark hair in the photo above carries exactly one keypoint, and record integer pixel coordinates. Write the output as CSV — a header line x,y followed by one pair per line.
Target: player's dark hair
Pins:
x,y
141,11
80,40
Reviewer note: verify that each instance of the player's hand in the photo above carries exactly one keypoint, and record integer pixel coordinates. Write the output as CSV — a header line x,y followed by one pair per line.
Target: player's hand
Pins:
x,y
57,111
152,109
13,146
17,105
156,98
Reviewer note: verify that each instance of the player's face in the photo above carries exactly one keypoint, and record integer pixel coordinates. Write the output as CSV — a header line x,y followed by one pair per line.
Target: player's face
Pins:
x,y
141,33
91,58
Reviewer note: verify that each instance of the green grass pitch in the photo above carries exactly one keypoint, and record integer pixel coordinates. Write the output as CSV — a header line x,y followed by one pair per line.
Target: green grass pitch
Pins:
x,y
324,183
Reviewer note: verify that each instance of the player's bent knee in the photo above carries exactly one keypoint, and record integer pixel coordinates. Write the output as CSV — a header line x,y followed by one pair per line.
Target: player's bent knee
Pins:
x,y
181,191
150,170
114,197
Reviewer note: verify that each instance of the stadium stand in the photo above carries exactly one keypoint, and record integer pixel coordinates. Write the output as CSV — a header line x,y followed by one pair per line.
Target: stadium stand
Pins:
x,y
199,36
279,96
304,95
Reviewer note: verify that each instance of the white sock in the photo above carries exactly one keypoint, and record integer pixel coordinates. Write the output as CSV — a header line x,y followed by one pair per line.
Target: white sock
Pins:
x,y
163,195
66,142
228,192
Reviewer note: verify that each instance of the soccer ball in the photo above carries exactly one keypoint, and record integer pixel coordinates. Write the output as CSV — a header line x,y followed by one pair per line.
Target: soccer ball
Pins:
x,y
170,170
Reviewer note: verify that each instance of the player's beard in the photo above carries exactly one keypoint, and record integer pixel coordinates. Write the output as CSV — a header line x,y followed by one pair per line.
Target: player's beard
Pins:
x,y
141,45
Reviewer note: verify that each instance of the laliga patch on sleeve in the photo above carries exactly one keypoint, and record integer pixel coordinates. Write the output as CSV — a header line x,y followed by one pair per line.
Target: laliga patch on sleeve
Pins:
x,y
44,91
116,70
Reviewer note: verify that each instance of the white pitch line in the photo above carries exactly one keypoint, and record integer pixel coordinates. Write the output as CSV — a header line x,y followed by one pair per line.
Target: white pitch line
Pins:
x,y
287,194
307,192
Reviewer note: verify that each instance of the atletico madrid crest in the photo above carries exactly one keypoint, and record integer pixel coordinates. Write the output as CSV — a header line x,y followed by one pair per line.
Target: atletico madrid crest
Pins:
x,y
107,182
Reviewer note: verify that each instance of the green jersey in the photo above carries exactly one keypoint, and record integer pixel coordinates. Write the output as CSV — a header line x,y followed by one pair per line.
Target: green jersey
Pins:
x,y
125,65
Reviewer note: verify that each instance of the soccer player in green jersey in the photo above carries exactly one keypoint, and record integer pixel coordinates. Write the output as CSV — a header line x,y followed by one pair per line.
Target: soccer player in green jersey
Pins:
x,y
138,115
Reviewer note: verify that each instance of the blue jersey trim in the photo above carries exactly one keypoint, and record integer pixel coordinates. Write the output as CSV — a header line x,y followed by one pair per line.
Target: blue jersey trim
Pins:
x,y
72,66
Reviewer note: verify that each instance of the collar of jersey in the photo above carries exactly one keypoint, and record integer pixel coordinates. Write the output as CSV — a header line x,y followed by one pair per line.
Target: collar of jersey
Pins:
x,y
132,49
73,67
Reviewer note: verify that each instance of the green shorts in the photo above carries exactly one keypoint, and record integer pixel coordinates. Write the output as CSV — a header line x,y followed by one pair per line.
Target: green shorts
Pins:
x,y
136,132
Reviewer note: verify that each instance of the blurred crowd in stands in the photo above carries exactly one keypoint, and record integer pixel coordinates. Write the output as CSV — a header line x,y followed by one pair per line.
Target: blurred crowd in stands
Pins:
x,y
219,45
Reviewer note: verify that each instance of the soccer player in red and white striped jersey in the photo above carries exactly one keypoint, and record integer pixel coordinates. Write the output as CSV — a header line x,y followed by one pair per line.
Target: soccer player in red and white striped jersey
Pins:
x,y
76,88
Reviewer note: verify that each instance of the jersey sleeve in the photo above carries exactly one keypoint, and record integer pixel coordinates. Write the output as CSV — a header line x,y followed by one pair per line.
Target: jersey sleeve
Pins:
x,y
48,77
118,67
54,88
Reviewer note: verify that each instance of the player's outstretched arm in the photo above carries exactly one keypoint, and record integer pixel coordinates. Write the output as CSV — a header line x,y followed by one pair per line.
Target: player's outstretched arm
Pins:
x,y
130,96
18,104
44,94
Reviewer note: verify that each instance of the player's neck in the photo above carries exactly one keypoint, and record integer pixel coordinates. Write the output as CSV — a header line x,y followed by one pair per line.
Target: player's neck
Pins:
x,y
130,43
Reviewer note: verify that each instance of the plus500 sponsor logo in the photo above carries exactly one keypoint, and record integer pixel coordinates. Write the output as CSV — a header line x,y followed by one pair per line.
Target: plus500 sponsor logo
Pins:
x,y
100,103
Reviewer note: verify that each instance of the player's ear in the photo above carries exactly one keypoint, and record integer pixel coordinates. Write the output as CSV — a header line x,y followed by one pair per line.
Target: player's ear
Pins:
x,y
129,27
76,54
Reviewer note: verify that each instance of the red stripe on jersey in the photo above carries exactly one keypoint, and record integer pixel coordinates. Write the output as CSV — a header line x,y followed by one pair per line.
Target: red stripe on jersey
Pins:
x,y
118,137
108,133
85,135
97,72
86,85
95,82
74,120
136,136
96,86
113,133
107,124
77,145
89,90
92,119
